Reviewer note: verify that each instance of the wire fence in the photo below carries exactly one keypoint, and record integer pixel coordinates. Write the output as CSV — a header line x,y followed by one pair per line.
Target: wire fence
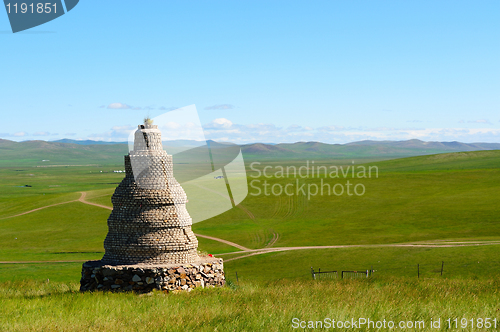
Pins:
x,y
324,274
487,269
418,270
335,274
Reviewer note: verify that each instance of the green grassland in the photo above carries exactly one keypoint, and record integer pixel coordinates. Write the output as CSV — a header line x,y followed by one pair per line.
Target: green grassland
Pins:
x,y
50,185
471,262
42,306
475,160
427,199
413,199
477,262
33,153
57,233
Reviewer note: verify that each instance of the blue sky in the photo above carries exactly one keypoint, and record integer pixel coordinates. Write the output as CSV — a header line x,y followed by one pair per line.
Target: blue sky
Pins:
x,y
258,71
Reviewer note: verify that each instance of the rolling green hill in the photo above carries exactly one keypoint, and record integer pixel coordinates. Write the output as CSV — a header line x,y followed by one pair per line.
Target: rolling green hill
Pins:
x,y
474,160
425,199
33,153
380,150
42,153
445,196
433,197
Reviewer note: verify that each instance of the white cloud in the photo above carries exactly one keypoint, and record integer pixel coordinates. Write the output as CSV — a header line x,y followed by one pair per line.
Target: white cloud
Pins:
x,y
480,121
171,126
221,123
126,106
483,121
331,128
118,106
261,128
117,133
224,130
163,108
20,134
220,107
41,133
295,128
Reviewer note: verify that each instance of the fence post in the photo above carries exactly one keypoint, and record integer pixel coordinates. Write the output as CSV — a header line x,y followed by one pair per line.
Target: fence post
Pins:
x,y
367,273
418,270
313,274
342,275
236,276
442,266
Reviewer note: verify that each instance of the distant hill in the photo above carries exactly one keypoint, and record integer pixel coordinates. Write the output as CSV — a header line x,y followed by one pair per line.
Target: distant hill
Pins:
x,y
487,159
362,149
85,142
175,143
415,143
73,152
42,153
260,148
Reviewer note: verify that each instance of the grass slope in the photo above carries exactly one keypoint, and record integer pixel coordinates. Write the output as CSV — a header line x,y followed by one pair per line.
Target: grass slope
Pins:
x,y
50,185
63,232
476,262
32,306
413,199
451,196
32,153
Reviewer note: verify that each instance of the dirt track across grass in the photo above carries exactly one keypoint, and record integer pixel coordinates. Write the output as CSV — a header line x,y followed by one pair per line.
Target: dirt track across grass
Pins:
x,y
252,252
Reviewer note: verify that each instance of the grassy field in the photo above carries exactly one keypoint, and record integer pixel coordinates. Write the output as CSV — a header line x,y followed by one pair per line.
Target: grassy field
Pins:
x,y
41,153
274,306
50,185
447,196
61,232
450,196
428,199
472,262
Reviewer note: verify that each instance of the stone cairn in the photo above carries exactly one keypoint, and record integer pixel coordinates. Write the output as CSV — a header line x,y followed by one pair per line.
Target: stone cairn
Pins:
x,y
150,244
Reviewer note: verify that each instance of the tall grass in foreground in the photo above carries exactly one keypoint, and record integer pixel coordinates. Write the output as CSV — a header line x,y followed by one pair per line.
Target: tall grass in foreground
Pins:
x,y
38,306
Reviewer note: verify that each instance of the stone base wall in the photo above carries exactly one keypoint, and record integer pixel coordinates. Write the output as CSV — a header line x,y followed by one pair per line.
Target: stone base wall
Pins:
x,y
141,278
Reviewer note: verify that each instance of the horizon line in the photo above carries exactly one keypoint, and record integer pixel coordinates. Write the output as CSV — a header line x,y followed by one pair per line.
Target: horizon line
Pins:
x,y
241,144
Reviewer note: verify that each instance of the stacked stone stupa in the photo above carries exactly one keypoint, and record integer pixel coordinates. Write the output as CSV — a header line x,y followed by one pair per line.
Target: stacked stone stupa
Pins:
x,y
149,222
149,229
